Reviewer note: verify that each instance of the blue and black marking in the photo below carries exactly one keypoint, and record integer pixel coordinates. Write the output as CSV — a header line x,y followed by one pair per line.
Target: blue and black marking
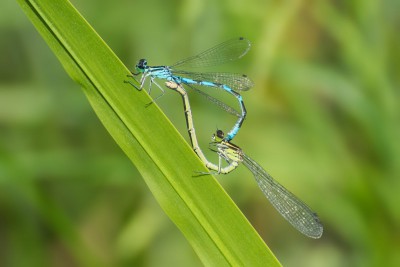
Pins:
x,y
229,82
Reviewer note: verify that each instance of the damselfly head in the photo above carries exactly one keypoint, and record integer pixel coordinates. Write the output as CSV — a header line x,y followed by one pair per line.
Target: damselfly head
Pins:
x,y
218,136
142,65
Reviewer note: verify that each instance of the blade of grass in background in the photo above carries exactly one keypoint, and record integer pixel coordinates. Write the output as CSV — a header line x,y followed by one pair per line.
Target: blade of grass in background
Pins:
x,y
210,221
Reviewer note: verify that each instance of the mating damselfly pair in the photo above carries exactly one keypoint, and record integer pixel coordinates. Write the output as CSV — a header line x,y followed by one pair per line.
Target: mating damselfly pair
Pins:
x,y
287,204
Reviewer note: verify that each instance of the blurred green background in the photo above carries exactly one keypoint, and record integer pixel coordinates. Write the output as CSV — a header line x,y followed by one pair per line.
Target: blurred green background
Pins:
x,y
323,119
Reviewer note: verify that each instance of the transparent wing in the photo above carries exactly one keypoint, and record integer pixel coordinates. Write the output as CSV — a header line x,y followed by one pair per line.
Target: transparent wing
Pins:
x,y
235,81
219,54
296,212
215,101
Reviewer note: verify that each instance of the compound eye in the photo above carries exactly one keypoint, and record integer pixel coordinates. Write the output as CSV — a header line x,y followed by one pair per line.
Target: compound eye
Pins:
x,y
142,63
220,134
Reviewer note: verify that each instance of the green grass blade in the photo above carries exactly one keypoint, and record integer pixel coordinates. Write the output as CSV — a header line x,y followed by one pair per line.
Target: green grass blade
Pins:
x,y
210,221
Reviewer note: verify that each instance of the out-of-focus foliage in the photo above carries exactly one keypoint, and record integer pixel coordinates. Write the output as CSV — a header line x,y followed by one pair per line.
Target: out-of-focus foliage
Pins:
x,y
323,119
